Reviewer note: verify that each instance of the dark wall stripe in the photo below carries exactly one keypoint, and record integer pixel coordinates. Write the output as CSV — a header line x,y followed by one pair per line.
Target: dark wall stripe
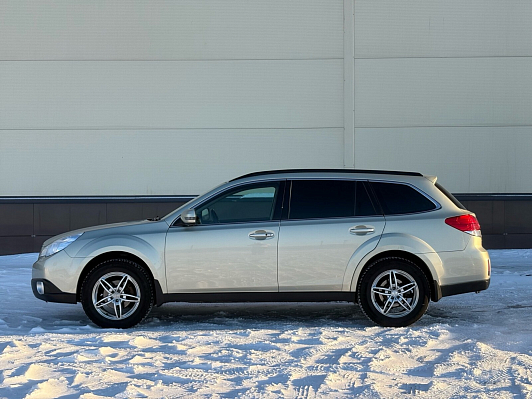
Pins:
x,y
26,222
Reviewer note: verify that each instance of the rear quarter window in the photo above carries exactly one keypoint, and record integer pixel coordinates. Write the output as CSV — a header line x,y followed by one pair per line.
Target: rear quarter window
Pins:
x,y
397,199
450,196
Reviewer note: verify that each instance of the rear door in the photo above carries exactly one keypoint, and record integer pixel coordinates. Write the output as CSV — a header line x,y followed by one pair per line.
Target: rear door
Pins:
x,y
325,223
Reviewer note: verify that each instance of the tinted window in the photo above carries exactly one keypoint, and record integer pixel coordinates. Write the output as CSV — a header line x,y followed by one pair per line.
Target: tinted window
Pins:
x,y
245,204
312,199
363,204
401,198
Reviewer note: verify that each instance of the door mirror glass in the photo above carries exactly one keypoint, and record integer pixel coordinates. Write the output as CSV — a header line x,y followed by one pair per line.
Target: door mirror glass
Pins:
x,y
188,216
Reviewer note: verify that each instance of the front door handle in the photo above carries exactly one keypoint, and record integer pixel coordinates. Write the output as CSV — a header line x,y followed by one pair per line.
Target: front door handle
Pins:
x,y
261,235
361,230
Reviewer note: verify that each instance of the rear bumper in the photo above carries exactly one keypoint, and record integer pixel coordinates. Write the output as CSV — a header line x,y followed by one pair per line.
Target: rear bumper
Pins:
x,y
51,292
462,288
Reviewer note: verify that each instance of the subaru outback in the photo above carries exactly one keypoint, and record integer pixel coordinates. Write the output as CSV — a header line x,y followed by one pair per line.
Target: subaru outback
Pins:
x,y
389,241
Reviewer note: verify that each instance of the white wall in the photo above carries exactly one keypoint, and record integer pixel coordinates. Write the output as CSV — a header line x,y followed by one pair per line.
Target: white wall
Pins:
x,y
445,88
171,97
160,161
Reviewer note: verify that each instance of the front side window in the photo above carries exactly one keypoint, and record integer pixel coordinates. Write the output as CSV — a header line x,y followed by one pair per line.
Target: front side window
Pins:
x,y
250,203
318,199
397,199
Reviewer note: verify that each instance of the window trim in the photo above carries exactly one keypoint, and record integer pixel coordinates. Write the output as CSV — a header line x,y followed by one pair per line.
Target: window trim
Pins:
x,y
436,203
375,204
276,216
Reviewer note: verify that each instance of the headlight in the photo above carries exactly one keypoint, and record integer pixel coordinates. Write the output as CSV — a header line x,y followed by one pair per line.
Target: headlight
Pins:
x,y
58,245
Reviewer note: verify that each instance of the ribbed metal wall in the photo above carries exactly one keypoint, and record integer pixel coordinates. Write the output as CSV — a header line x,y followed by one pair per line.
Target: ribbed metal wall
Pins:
x,y
445,87
171,97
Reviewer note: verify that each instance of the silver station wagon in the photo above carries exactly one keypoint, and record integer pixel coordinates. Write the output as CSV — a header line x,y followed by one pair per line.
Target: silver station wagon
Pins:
x,y
391,241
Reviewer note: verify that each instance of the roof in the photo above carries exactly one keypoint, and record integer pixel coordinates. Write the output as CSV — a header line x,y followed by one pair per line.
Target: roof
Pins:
x,y
354,171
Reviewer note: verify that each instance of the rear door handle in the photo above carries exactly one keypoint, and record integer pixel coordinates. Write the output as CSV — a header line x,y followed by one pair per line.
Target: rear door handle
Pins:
x,y
361,230
261,235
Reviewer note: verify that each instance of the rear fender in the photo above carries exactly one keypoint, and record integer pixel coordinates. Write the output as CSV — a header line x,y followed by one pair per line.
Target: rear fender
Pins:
x,y
393,243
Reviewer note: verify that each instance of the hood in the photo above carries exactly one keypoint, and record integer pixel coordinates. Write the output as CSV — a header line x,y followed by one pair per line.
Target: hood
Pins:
x,y
99,228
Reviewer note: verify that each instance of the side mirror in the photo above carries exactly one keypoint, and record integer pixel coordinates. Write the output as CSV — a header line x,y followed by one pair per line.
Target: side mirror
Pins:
x,y
188,216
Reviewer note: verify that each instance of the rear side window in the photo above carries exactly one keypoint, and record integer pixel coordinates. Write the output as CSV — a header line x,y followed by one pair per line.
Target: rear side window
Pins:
x,y
318,199
397,199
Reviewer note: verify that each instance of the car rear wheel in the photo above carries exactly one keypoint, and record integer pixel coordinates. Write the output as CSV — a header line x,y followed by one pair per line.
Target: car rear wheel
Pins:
x,y
117,293
393,292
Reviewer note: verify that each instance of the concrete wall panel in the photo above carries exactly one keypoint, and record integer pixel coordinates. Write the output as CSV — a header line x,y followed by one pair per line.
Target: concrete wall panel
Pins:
x,y
154,162
224,94
443,92
443,28
466,159
170,30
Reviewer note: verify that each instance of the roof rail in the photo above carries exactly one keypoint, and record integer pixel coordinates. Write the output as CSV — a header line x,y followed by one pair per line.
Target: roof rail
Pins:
x,y
367,171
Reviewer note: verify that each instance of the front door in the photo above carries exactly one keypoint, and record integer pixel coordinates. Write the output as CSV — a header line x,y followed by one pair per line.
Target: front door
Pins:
x,y
232,248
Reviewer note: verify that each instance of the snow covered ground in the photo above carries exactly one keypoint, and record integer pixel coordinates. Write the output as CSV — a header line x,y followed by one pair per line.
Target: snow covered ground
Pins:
x,y
465,346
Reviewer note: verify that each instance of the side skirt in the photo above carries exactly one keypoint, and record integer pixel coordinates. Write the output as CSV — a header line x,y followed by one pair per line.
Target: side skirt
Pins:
x,y
253,297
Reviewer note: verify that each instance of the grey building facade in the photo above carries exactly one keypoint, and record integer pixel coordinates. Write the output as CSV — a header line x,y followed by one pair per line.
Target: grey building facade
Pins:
x,y
122,110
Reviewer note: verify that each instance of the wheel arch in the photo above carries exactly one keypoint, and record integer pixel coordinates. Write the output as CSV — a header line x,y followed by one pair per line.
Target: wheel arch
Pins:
x,y
118,255
435,292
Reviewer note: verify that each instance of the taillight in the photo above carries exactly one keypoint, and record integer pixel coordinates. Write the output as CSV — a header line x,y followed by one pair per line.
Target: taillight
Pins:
x,y
466,223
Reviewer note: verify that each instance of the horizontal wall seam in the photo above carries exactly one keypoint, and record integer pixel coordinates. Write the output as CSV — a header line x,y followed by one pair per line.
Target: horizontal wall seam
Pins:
x,y
171,128
177,60
429,126
444,57
96,199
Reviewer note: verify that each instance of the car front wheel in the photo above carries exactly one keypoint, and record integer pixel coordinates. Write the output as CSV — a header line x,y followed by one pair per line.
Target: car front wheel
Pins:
x,y
393,292
117,293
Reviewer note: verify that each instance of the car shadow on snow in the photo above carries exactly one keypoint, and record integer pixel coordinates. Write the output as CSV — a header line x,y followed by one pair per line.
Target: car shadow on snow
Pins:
x,y
62,318
257,315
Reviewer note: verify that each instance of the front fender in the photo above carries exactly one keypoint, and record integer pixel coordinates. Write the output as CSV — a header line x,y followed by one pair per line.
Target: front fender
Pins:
x,y
396,242
125,243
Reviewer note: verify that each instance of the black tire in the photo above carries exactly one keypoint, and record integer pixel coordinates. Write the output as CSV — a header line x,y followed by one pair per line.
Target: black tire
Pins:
x,y
384,301
121,306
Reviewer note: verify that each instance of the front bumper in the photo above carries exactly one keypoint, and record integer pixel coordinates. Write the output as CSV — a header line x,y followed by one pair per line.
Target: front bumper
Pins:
x,y
60,270
51,292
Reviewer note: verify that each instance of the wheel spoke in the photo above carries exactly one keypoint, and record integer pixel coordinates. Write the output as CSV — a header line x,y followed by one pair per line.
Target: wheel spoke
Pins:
x,y
118,309
393,279
408,287
122,284
106,285
388,305
381,291
129,298
404,303
104,301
